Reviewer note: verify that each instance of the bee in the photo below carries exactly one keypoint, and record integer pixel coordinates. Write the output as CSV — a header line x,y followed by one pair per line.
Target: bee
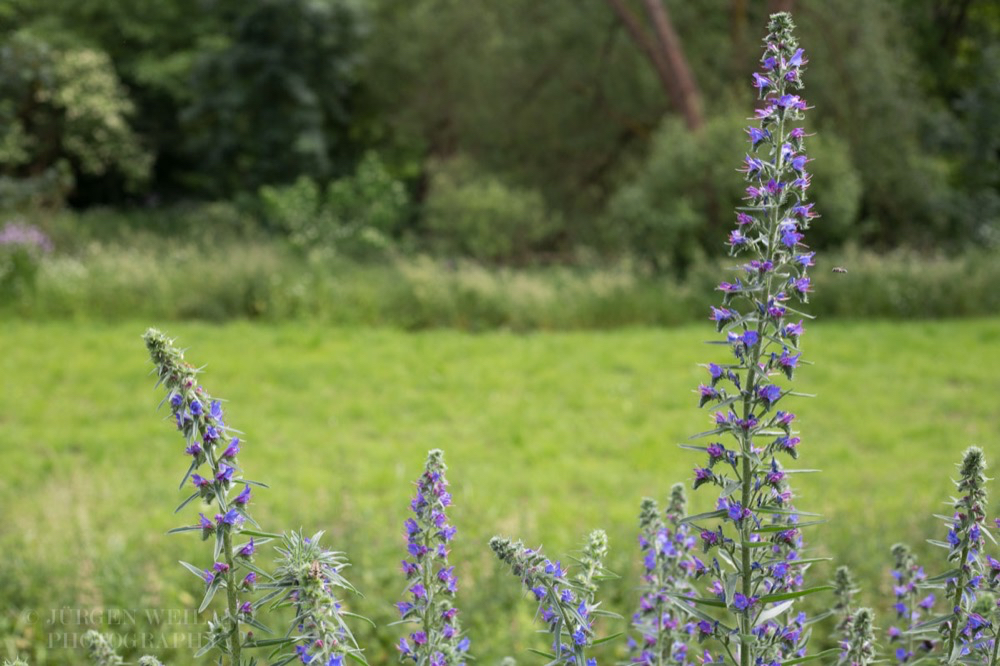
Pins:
x,y
838,269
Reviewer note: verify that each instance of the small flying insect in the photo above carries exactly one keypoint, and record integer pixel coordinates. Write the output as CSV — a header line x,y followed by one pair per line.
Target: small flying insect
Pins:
x,y
839,269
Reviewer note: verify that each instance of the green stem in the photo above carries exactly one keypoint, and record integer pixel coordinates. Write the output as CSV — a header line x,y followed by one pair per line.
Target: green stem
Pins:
x,y
426,580
957,604
996,646
231,594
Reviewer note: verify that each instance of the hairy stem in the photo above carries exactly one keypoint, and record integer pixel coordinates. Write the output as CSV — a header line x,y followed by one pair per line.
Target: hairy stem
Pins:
x,y
957,604
231,594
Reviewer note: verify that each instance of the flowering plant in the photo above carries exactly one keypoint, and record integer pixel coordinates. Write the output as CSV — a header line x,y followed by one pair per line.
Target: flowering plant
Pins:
x,y
566,604
727,580
755,531
431,581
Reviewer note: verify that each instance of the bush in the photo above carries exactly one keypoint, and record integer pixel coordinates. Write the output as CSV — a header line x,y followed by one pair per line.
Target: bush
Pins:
x,y
478,215
682,199
357,215
64,116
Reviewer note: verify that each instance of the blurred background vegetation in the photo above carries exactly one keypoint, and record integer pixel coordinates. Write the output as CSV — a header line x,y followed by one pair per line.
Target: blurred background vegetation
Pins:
x,y
300,144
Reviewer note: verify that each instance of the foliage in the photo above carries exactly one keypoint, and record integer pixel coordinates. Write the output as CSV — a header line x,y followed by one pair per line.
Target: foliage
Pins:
x,y
478,215
276,100
66,116
673,211
358,215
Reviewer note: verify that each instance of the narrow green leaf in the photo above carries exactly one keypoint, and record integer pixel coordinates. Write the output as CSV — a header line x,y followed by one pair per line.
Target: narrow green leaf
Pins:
x,y
818,655
795,594
607,639
268,642
187,501
189,528
704,516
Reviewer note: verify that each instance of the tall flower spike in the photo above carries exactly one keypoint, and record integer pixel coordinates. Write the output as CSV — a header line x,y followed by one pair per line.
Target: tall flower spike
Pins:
x,y
910,606
967,632
308,577
755,530
102,653
431,581
562,601
844,591
217,479
592,564
664,628
859,648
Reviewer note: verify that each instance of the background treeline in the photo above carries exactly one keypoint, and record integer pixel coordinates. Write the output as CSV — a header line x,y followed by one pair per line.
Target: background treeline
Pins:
x,y
572,132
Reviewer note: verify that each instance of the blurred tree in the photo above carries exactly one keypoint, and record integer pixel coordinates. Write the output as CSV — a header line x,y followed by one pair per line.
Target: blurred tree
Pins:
x,y
64,117
666,55
275,101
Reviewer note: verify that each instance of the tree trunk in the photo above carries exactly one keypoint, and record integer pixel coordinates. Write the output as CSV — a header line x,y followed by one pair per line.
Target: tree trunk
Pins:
x,y
688,96
666,56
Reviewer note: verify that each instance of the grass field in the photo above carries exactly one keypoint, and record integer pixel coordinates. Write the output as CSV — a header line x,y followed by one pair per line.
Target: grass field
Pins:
x,y
547,436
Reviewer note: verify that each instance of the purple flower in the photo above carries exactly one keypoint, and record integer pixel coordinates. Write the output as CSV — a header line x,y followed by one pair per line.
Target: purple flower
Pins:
x,y
233,518
742,602
760,82
721,315
806,260
756,136
801,285
176,399
196,408
244,497
247,550
702,476
207,526
232,449
225,473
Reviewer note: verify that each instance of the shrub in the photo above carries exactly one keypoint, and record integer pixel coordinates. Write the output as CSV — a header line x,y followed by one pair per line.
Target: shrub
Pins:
x,y
673,212
65,116
357,215
476,214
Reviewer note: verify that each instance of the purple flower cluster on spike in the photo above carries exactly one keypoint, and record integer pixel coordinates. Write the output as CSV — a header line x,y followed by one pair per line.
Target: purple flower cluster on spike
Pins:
x,y
214,472
910,606
665,630
431,582
758,538
564,604
971,629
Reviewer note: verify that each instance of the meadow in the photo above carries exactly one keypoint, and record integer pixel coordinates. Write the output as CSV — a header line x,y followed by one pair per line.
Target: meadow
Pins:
x,y
546,435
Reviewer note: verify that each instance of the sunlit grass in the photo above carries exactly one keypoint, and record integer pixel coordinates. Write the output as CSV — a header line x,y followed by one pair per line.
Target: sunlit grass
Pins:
x,y
546,437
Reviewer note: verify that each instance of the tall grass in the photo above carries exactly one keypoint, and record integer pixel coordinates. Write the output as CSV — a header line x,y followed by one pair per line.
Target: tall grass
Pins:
x,y
218,279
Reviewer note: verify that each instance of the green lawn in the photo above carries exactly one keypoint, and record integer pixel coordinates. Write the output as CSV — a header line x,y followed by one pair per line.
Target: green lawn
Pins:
x,y
547,436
